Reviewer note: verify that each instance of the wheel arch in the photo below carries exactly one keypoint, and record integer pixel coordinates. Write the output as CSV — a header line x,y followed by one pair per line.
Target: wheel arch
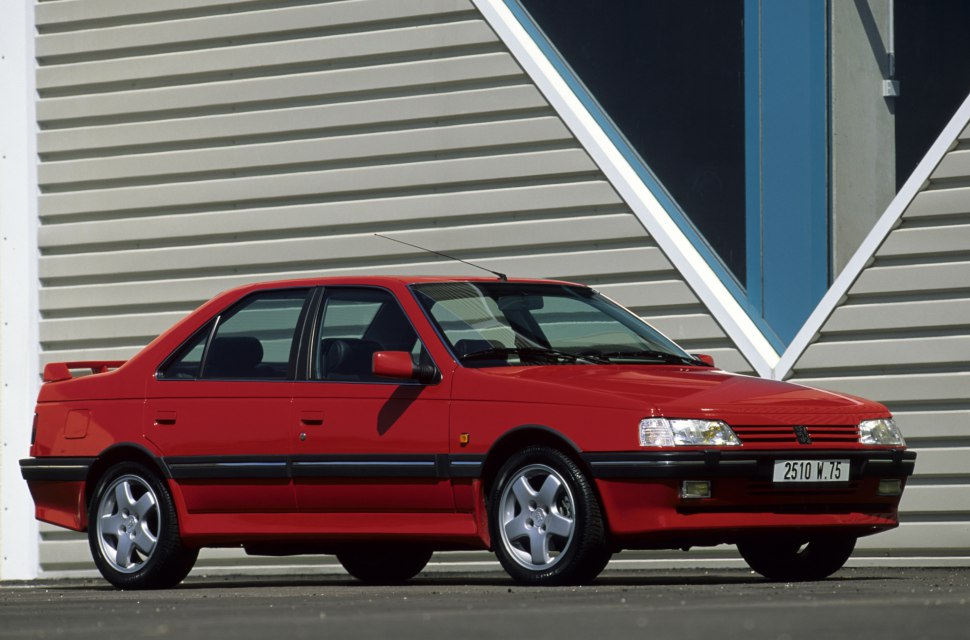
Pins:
x,y
527,435
115,454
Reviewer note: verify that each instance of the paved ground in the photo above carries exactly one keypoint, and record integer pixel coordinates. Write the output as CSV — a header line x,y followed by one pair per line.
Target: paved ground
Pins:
x,y
862,603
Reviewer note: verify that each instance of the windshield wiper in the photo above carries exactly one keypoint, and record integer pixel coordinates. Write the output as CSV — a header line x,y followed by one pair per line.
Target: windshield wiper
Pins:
x,y
531,351
662,356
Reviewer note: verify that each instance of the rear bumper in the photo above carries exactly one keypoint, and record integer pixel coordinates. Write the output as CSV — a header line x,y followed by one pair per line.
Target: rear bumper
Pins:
x,y
57,487
644,507
55,469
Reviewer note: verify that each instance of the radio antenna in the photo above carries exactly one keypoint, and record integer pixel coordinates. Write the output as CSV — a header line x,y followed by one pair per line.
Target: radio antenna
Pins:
x,y
501,276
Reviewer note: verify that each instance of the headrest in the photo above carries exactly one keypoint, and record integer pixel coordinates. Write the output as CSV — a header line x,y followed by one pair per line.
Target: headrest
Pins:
x,y
233,357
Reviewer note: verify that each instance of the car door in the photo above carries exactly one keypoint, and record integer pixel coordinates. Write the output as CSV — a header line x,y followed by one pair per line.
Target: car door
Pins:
x,y
366,444
219,407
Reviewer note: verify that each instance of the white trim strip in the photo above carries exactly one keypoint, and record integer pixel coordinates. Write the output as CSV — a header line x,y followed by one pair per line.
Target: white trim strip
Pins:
x,y
656,220
867,250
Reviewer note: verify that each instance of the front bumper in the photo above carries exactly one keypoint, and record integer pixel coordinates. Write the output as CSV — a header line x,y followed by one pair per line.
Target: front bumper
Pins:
x,y
719,463
641,496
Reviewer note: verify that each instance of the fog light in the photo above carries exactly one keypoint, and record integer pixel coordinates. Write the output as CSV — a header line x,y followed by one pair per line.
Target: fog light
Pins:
x,y
698,489
890,488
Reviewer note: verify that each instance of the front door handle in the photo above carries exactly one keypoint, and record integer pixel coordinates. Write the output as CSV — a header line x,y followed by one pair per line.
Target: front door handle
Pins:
x,y
311,418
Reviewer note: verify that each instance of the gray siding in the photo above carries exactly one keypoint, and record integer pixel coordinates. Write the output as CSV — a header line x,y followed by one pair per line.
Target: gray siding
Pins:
x,y
902,336
189,146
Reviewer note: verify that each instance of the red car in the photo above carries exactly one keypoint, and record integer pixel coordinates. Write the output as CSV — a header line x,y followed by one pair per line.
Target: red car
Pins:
x,y
383,418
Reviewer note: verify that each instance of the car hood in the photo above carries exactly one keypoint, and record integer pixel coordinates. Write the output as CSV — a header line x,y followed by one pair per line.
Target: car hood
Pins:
x,y
665,390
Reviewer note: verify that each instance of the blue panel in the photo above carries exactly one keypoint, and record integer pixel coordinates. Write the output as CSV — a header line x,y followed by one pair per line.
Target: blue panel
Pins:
x,y
794,162
752,149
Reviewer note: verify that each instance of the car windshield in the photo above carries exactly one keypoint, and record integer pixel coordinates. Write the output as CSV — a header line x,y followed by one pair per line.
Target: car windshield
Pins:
x,y
489,324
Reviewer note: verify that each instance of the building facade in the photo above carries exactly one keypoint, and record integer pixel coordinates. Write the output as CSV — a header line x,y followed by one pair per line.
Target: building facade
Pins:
x,y
157,153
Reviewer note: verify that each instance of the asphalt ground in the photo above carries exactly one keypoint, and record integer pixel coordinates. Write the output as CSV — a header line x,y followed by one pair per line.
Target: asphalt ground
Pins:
x,y
856,603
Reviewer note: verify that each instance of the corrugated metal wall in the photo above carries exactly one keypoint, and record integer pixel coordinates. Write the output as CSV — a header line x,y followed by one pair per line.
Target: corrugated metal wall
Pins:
x,y
902,336
191,145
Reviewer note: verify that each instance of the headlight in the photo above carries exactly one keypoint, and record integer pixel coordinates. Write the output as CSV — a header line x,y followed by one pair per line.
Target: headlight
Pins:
x,y
881,431
661,432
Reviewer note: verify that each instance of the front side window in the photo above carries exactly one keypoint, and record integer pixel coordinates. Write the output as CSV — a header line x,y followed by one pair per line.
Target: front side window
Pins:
x,y
506,324
356,323
253,340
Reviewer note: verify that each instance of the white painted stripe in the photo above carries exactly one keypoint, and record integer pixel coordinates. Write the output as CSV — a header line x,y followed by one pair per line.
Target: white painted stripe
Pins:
x,y
887,222
440,563
657,220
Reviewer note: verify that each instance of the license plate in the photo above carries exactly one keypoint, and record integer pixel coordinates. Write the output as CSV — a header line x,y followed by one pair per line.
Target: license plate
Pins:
x,y
811,471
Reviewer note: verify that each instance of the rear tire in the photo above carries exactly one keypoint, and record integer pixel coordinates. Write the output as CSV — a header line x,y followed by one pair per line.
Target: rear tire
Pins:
x,y
386,565
545,520
133,530
795,560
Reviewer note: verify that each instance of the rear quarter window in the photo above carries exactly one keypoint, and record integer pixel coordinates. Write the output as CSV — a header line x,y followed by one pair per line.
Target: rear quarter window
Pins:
x,y
252,340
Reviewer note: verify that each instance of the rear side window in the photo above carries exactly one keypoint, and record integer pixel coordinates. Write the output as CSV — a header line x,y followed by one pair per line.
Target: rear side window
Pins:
x,y
253,340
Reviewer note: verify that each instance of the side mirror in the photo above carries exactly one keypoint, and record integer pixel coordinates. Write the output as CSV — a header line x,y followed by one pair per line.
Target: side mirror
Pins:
x,y
703,357
398,364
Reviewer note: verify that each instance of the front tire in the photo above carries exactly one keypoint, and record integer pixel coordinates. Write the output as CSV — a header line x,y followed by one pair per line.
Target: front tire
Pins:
x,y
133,530
388,565
795,561
545,519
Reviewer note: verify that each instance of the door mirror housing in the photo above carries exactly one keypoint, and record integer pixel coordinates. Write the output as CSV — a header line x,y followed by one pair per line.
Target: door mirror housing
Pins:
x,y
705,358
398,364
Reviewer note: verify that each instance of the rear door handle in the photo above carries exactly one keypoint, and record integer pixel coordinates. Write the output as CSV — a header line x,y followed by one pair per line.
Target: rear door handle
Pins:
x,y
164,418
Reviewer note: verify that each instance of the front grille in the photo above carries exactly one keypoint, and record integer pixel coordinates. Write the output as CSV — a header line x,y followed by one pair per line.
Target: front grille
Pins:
x,y
838,433
820,434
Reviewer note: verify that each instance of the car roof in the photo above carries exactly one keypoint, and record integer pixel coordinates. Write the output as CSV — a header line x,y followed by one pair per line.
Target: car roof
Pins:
x,y
387,281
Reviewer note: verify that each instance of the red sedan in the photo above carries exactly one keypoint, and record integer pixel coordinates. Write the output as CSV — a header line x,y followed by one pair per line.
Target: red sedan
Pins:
x,y
383,418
